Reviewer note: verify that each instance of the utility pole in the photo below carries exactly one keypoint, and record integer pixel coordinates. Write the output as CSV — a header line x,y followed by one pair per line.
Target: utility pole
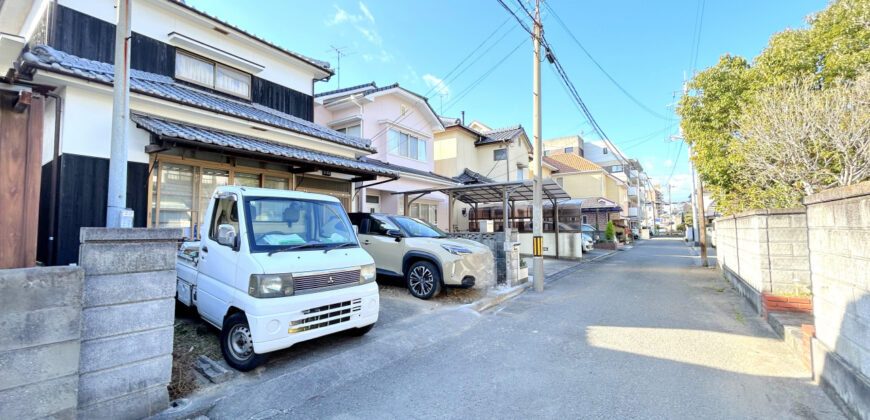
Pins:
x,y
117,197
670,208
702,224
537,209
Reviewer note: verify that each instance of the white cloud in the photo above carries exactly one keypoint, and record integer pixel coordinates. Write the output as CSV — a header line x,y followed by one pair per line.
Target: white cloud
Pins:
x,y
437,84
668,163
383,56
681,186
370,34
411,74
648,165
366,12
342,16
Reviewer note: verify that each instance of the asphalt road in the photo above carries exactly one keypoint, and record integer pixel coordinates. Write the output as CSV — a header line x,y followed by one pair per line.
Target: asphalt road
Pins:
x,y
645,333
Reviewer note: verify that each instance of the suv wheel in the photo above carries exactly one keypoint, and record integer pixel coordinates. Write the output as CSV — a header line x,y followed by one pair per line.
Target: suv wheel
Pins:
x,y
237,345
423,280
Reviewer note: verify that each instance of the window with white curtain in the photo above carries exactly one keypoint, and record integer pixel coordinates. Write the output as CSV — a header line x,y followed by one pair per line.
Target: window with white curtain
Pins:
x,y
406,145
213,75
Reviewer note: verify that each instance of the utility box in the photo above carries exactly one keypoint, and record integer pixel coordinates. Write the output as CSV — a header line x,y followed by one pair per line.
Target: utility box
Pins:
x,y
512,261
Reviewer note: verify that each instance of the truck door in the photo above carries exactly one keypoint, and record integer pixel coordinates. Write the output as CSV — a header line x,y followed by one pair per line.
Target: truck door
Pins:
x,y
386,251
218,262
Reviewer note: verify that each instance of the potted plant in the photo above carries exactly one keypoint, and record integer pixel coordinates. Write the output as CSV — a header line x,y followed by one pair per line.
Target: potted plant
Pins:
x,y
524,270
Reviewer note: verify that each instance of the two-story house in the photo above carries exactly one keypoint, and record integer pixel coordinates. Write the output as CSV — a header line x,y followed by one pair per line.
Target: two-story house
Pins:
x,y
605,154
600,192
478,154
210,104
401,126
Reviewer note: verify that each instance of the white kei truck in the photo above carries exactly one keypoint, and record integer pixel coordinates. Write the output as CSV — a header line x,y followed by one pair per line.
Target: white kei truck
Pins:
x,y
274,268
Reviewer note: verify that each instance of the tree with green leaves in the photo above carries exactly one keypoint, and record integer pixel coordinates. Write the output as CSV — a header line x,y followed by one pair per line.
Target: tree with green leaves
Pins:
x,y
831,50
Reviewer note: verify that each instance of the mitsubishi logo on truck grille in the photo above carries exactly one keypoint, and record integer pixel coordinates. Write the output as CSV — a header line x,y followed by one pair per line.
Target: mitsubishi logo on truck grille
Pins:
x,y
310,282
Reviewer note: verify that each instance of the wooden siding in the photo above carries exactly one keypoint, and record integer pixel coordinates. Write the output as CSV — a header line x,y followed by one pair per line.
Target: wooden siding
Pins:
x,y
88,37
81,202
20,153
282,98
151,55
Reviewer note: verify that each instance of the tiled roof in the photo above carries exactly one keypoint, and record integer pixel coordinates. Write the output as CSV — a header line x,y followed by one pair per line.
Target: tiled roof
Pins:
x,y
594,203
347,89
323,65
375,89
571,162
500,135
195,133
47,58
449,122
399,168
470,177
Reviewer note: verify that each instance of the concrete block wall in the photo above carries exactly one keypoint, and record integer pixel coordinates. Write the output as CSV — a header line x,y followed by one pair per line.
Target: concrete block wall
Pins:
x,y
570,244
495,242
39,342
767,250
128,310
839,254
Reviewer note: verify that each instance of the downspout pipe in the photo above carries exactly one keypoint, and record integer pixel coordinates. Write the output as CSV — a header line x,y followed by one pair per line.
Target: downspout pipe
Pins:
x,y
52,200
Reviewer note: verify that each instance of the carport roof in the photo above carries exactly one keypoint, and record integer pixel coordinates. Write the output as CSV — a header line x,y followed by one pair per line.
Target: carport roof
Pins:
x,y
522,190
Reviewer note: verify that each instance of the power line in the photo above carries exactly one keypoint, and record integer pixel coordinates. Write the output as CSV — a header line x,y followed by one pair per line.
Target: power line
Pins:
x,y
480,79
696,38
448,77
674,162
594,61
479,46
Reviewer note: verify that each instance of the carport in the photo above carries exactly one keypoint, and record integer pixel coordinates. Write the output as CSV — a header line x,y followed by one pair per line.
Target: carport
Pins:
x,y
499,192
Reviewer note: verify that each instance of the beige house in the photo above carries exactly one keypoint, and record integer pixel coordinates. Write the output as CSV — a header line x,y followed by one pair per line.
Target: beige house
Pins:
x,y
476,153
581,178
568,144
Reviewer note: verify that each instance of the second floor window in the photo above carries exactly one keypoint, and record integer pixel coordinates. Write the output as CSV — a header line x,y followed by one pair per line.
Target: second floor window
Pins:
x,y
519,173
406,145
353,130
212,75
569,150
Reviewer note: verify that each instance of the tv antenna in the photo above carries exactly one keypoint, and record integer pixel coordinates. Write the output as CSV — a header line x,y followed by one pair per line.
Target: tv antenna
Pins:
x,y
339,52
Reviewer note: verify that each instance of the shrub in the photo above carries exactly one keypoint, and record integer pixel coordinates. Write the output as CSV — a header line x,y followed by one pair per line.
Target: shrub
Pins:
x,y
609,232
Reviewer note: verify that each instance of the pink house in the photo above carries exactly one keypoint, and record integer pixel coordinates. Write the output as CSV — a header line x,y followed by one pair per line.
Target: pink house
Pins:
x,y
400,124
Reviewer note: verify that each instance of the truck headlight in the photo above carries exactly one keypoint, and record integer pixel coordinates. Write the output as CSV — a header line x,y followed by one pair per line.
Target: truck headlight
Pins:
x,y
270,285
455,250
367,273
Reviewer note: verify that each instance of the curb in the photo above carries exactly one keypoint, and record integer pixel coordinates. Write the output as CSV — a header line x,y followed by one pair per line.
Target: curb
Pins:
x,y
488,302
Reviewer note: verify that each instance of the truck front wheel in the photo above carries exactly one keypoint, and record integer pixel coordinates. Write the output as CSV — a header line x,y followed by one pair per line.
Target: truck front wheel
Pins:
x,y
237,345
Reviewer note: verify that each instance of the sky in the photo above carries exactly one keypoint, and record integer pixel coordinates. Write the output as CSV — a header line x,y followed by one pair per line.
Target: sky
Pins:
x,y
645,46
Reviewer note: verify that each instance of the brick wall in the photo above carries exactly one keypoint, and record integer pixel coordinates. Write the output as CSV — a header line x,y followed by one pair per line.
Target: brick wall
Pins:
x,y
839,254
39,342
127,318
766,250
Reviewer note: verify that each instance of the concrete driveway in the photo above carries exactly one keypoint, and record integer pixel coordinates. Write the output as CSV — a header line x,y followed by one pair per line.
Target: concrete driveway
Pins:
x,y
645,333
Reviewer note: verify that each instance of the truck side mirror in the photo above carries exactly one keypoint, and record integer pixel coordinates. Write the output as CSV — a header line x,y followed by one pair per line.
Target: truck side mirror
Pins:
x,y
227,235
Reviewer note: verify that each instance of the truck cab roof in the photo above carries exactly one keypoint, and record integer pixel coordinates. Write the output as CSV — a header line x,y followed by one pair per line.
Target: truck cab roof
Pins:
x,y
268,192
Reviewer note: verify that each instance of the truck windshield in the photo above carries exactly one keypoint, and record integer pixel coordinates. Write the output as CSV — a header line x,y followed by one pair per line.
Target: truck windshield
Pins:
x,y
283,223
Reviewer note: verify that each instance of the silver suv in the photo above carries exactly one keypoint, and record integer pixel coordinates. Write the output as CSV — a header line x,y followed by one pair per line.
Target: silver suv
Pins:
x,y
422,254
